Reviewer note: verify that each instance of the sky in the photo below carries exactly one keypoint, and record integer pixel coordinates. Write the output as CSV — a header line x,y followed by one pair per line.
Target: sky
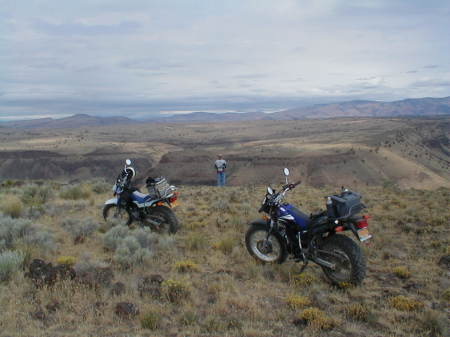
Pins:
x,y
143,58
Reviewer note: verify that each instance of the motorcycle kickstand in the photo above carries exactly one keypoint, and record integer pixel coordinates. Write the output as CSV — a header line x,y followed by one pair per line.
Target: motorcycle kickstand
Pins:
x,y
305,264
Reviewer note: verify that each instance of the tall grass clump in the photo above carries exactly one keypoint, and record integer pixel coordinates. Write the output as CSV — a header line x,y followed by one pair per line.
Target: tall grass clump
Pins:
x,y
10,263
75,192
19,232
80,229
11,205
100,187
35,196
130,247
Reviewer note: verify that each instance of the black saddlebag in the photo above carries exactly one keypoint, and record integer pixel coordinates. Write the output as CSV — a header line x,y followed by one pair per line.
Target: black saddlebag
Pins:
x,y
347,204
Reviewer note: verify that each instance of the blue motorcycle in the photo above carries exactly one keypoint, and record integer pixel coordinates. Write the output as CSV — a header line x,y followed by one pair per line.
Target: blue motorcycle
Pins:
x,y
286,231
153,209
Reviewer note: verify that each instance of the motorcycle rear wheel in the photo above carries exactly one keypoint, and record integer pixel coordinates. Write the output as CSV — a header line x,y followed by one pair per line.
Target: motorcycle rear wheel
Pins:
x,y
168,222
272,250
348,258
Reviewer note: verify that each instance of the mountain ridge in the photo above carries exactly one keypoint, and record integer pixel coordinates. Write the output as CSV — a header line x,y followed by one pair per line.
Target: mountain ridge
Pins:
x,y
414,107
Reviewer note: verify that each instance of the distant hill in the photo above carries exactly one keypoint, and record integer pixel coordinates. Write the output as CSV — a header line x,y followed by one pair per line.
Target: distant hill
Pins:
x,y
75,121
418,107
211,117
407,107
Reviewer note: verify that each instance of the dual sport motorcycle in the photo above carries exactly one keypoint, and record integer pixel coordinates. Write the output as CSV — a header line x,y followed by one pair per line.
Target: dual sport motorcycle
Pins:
x,y
286,231
153,210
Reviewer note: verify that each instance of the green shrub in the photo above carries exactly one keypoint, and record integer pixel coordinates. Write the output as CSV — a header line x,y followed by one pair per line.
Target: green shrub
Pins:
x,y
225,245
196,241
80,229
401,272
11,205
100,187
434,323
131,247
151,320
114,236
15,232
75,192
175,291
34,195
10,263
186,266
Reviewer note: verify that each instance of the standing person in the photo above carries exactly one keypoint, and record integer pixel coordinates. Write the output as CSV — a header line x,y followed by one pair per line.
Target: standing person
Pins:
x,y
220,166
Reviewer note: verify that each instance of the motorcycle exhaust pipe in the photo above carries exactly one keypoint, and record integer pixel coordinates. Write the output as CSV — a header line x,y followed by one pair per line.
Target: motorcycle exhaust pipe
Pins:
x,y
323,263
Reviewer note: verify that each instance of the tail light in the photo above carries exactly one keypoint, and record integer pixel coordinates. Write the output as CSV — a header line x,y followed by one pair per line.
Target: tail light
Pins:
x,y
363,222
174,197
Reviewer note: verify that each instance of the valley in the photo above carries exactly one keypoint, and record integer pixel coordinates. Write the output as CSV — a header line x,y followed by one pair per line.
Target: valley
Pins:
x,y
407,152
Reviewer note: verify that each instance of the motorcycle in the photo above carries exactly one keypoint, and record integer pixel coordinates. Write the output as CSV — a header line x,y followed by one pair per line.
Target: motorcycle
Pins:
x,y
286,231
153,209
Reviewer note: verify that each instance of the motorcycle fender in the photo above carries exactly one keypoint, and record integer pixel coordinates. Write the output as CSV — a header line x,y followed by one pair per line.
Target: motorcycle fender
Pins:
x,y
260,222
353,229
112,201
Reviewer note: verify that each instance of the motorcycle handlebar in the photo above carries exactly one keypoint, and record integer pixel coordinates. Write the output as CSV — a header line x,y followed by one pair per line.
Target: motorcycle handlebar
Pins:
x,y
291,186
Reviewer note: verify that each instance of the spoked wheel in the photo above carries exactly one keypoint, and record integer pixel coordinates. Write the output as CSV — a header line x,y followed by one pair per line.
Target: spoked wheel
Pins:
x,y
114,215
162,220
347,258
270,250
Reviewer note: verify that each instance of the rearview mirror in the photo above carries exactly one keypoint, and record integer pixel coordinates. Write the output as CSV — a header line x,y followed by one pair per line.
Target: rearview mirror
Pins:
x,y
286,171
270,190
128,162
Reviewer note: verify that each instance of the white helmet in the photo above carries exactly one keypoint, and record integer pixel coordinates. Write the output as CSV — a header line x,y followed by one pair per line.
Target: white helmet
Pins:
x,y
130,171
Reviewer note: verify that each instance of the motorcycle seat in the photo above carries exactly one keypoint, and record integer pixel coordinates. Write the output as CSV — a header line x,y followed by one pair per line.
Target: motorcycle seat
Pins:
x,y
141,197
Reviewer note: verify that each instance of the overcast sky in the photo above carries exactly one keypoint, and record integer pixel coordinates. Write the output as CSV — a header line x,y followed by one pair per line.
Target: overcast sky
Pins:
x,y
143,57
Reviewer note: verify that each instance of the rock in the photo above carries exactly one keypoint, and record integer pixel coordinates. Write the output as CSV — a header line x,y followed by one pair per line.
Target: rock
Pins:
x,y
39,315
98,307
53,306
126,310
150,285
41,273
65,272
444,261
117,289
96,276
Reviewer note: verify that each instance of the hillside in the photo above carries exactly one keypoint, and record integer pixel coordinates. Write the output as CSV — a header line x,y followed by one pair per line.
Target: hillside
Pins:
x,y
419,107
75,121
210,285
408,152
408,107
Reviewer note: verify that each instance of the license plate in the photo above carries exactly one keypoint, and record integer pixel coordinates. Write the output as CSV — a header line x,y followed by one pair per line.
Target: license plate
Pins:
x,y
363,234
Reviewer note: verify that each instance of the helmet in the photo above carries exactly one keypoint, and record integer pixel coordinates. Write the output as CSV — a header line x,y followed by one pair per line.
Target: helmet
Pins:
x,y
130,172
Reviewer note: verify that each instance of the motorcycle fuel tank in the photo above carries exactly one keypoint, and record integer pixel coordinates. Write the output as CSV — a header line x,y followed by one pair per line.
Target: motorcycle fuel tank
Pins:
x,y
289,212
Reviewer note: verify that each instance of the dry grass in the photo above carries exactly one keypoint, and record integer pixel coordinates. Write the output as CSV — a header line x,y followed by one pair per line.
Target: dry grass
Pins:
x,y
212,287
405,303
11,205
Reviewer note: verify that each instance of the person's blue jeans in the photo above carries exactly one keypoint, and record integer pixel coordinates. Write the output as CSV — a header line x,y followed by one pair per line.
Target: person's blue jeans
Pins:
x,y
221,179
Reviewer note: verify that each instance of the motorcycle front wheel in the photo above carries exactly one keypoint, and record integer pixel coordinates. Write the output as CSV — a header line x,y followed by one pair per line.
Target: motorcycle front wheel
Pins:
x,y
266,250
115,215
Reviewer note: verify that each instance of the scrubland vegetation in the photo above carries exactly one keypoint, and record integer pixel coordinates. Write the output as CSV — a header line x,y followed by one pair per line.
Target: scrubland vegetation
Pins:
x,y
115,281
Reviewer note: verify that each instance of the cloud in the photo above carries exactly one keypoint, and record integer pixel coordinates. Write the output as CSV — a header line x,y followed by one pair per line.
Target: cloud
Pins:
x,y
431,66
76,28
433,83
146,56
